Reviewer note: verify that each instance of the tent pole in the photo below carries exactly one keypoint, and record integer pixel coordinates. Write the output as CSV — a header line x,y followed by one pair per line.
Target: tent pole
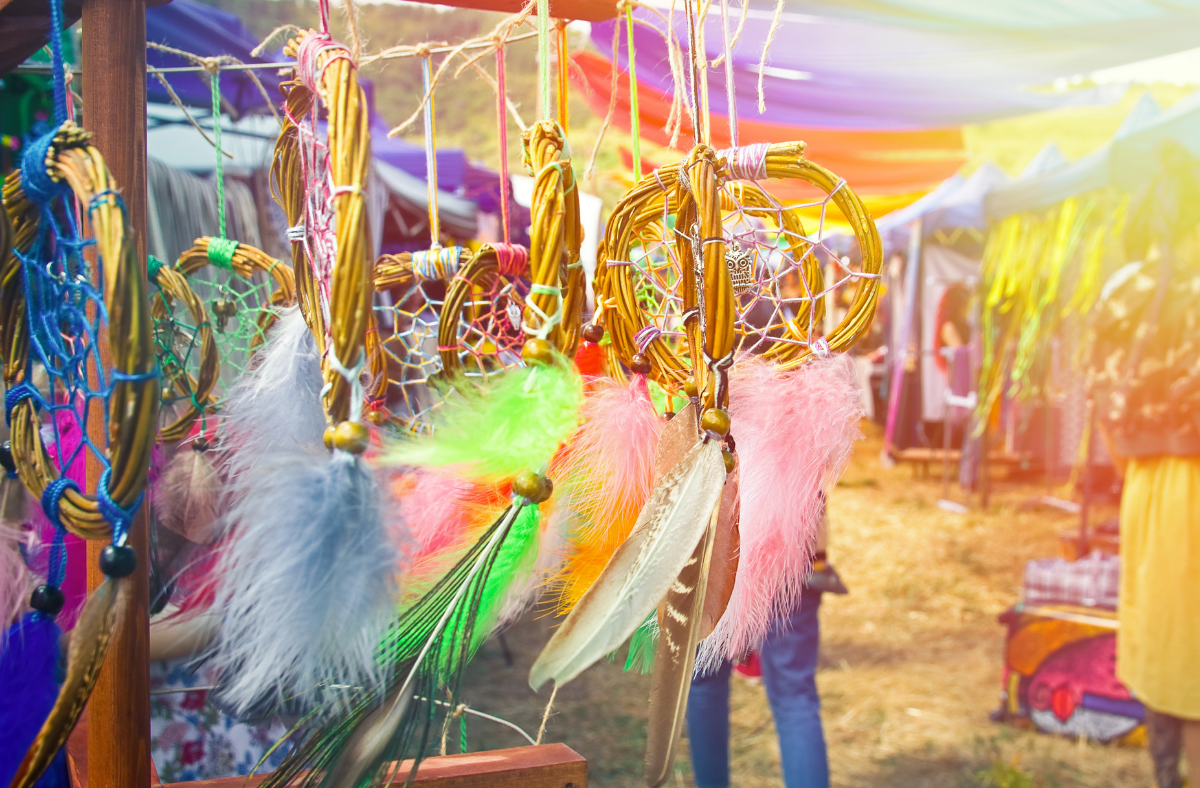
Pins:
x,y
114,93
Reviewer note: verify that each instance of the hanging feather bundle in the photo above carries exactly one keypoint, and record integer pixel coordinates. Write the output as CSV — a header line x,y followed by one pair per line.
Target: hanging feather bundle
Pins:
x,y
29,655
305,580
93,632
189,496
795,431
605,472
642,569
426,651
493,434
15,580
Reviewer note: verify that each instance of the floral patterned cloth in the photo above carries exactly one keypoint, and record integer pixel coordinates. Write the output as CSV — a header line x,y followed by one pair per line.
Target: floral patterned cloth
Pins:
x,y
191,739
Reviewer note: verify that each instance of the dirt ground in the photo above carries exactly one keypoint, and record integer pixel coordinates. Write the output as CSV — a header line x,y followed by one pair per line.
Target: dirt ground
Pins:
x,y
910,660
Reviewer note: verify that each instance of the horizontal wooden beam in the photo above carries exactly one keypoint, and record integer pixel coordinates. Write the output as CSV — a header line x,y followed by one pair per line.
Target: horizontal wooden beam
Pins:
x,y
541,766
583,10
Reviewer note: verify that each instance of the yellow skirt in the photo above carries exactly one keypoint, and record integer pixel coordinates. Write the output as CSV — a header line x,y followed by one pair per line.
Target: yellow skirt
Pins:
x,y
1158,646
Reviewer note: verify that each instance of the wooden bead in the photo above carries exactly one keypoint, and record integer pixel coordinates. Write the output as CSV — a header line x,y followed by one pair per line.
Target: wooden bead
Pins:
x,y
730,460
377,417
593,333
47,600
640,364
716,420
118,561
537,351
200,444
352,437
527,485
328,438
6,458
689,388
546,489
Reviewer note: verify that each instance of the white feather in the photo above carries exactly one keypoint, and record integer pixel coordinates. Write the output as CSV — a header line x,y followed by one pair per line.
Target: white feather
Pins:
x,y
640,571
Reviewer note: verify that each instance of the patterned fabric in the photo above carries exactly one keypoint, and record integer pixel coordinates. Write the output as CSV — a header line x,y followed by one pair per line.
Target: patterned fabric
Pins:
x,y
190,739
1092,581
1145,367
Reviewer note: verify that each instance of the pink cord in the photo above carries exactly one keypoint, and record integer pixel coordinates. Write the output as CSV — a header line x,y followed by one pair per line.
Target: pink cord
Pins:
x,y
512,259
502,121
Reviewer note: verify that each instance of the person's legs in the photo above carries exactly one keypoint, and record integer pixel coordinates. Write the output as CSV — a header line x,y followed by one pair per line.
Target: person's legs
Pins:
x,y
1191,748
1163,735
789,666
708,728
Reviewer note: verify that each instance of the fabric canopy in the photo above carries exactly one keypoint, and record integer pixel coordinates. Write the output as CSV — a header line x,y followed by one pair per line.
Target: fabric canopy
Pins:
x,y
205,31
871,162
874,72
1126,162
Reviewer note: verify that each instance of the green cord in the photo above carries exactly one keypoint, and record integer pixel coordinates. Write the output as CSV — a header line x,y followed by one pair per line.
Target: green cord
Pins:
x,y
543,29
216,100
635,121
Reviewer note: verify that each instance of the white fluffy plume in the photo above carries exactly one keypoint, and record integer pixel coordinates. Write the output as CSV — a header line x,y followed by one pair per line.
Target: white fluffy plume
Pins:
x,y
305,583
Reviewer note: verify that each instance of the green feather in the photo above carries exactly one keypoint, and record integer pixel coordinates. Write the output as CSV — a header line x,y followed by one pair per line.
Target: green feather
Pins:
x,y
642,646
516,423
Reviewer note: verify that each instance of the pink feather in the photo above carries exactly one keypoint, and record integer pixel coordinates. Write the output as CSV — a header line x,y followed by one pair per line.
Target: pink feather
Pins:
x,y
606,473
431,513
794,432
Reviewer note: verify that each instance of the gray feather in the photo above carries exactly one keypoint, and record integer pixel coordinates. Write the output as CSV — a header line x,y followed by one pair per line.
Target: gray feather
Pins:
x,y
640,571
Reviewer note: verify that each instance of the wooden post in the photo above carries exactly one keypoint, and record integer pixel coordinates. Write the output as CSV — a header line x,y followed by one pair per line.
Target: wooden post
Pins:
x,y
114,110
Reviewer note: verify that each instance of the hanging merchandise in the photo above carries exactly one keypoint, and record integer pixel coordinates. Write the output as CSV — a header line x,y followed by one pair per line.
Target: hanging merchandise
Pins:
x,y
458,314
305,582
69,303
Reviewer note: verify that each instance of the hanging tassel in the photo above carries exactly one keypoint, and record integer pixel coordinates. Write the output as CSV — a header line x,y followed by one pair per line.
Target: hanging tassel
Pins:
x,y
305,579
427,649
641,570
306,586
606,472
28,664
189,495
89,643
493,434
794,432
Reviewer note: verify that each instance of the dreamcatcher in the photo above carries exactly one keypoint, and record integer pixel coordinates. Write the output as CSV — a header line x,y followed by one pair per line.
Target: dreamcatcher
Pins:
x,y
458,315
67,293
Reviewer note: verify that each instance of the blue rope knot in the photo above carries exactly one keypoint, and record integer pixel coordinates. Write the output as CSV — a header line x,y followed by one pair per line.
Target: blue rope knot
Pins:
x,y
36,182
51,497
118,518
108,195
17,393
136,377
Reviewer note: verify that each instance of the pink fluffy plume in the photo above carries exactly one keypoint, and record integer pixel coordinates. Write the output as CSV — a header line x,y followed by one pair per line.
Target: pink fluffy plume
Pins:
x,y
794,432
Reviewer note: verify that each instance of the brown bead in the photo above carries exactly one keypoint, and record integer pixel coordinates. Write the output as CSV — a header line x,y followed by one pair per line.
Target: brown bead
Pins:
x,y
715,420
352,437
377,417
593,333
730,460
689,388
328,438
640,364
532,487
537,351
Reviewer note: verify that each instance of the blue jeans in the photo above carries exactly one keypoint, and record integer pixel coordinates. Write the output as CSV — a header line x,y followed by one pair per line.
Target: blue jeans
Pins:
x,y
789,666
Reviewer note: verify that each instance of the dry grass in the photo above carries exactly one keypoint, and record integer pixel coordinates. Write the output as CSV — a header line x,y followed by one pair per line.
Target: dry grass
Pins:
x,y
910,663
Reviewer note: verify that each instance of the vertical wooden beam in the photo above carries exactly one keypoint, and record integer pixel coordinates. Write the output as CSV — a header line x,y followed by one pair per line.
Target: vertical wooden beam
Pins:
x,y
114,110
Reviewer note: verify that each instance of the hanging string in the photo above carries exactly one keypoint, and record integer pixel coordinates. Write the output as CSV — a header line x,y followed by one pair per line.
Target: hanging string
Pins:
x,y
502,128
635,124
60,77
762,64
699,133
543,30
431,179
563,108
215,81
323,10
730,93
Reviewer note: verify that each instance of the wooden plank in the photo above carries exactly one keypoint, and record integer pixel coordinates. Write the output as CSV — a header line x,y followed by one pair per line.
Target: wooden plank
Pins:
x,y
541,766
114,93
583,10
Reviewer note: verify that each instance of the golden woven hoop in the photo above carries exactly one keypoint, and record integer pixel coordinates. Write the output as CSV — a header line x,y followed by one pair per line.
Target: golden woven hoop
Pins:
x,y
649,202
133,404
480,271
349,145
554,239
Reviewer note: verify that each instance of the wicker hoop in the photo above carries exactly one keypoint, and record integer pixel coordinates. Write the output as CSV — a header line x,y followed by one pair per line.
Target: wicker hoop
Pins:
x,y
133,404
480,272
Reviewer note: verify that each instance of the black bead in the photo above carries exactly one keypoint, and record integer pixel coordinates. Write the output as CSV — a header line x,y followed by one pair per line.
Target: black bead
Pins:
x,y
6,457
593,333
47,600
118,561
640,364
200,444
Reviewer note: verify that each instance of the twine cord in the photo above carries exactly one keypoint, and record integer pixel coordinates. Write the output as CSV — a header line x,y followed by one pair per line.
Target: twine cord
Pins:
x,y
635,129
435,228
762,64
543,37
